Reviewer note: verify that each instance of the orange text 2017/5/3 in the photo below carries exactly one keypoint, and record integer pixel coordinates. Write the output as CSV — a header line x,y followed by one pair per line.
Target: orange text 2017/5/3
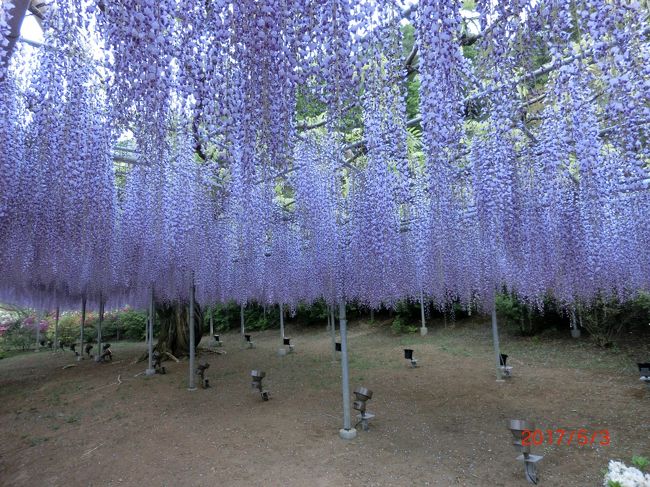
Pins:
x,y
580,437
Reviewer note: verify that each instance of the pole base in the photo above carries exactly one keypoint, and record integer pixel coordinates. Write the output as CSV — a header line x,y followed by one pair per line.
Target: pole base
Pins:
x,y
348,434
79,358
282,352
150,372
191,389
424,331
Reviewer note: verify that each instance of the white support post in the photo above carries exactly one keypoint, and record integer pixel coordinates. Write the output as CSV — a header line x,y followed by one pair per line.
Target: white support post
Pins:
x,y
39,318
282,321
190,319
495,339
56,330
575,331
211,324
150,370
347,432
329,323
241,319
330,312
98,354
146,329
423,329
83,323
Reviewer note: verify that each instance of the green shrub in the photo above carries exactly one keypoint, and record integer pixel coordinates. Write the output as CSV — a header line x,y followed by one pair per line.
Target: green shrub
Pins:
x,y
18,337
131,324
605,318
399,326
69,328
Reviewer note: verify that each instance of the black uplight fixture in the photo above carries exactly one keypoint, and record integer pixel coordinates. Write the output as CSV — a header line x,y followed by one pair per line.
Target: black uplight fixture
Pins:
x,y
506,370
408,355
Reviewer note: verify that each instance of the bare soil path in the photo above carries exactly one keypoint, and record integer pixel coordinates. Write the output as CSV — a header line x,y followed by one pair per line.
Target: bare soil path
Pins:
x,y
442,424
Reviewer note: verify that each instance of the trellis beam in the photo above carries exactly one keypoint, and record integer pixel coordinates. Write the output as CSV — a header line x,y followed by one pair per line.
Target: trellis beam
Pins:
x,y
17,15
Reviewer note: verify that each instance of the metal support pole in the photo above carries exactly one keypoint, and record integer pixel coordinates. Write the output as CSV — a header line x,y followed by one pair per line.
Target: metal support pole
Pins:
x,y
211,324
99,328
575,331
241,319
39,318
347,432
56,330
192,387
150,370
332,321
83,323
495,339
282,320
146,328
329,322
423,329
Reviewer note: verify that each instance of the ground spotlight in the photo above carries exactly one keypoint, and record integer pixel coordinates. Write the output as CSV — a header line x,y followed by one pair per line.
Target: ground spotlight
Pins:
x,y
517,428
257,376
362,396
408,355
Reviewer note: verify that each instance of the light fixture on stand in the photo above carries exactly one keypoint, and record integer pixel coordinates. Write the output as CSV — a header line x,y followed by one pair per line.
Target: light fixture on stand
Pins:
x,y
362,396
506,370
517,428
257,376
408,355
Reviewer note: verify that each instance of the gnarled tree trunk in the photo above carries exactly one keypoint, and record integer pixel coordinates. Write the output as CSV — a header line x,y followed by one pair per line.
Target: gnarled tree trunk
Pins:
x,y
174,336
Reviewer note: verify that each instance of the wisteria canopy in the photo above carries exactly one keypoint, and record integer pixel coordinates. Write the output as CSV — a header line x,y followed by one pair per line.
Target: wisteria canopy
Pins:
x,y
272,156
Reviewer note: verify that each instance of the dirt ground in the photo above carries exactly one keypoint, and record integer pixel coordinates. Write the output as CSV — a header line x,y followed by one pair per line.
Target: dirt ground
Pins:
x,y
442,424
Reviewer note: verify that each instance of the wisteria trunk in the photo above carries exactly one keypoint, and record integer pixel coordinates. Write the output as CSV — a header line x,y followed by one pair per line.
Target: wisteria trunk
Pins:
x,y
174,334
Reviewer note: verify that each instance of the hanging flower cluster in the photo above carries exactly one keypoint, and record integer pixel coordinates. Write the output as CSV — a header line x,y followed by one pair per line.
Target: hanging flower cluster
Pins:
x,y
530,176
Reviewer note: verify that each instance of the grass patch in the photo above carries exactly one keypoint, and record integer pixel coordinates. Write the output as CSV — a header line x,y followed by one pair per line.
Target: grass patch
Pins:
x,y
37,440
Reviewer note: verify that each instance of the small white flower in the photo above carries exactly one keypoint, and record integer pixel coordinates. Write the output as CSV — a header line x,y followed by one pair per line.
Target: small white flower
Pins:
x,y
621,475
